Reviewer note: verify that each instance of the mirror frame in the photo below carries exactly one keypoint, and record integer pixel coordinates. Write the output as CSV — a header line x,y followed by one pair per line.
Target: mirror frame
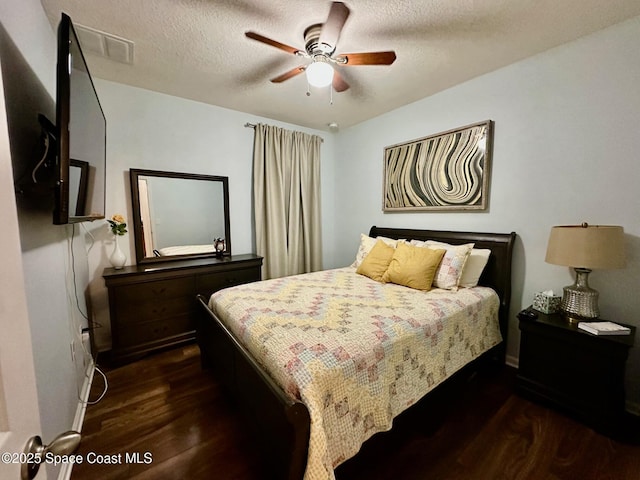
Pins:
x,y
134,174
81,199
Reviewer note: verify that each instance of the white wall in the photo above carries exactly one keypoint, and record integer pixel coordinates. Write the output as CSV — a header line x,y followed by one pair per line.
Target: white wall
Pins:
x,y
566,149
150,130
28,54
18,391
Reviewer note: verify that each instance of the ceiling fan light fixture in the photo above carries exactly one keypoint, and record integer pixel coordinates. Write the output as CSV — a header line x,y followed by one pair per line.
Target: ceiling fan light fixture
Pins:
x,y
319,73
321,40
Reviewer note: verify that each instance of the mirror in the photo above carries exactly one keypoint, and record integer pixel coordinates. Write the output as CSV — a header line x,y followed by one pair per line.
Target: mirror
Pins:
x,y
78,183
177,216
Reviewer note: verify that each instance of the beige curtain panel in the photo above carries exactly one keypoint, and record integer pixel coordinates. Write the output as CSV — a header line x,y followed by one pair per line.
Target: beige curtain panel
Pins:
x,y
286,199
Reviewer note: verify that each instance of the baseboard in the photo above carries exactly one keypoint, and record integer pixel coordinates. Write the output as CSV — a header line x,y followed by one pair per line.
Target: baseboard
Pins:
x,y
65,471
633,408
512,361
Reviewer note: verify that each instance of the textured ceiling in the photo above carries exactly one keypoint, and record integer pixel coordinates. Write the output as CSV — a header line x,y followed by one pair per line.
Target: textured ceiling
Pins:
x,y
196,49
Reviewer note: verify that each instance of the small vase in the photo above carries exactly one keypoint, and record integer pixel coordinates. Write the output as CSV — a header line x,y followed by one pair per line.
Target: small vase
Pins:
x,y
117,258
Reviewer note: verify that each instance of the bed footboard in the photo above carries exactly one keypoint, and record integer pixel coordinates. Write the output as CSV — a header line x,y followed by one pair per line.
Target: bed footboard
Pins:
x,y
281,425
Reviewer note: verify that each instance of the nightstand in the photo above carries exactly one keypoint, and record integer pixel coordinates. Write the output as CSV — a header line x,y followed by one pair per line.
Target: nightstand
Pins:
x,y
580,373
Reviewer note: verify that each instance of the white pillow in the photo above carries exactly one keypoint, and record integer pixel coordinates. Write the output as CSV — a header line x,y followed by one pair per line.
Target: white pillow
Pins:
x,y
474,267
450,268
366,244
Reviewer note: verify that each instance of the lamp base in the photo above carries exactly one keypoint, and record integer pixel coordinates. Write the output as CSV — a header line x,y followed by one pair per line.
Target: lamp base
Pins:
x,y
579,301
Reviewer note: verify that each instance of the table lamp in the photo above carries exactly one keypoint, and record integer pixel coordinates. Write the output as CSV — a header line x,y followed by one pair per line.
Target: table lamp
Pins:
x,y
584,247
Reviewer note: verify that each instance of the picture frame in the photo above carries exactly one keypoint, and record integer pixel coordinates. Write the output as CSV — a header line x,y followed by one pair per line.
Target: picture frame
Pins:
x,y
448,171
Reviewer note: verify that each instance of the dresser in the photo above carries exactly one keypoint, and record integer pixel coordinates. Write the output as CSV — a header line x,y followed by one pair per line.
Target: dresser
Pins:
x,y
154,306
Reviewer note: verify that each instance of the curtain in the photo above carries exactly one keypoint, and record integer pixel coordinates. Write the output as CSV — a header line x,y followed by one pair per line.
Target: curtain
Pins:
x,y
286,201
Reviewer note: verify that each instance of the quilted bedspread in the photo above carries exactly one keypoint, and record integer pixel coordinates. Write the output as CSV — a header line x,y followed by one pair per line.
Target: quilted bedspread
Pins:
x,y
355,351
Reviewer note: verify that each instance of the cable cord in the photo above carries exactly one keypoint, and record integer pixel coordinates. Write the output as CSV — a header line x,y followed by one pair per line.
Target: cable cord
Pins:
x,y
93,239
104,390
89,323
73,273
44,157
104,378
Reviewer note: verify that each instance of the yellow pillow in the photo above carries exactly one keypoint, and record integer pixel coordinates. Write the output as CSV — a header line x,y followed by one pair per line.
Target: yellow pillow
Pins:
x,y
413,267
376,262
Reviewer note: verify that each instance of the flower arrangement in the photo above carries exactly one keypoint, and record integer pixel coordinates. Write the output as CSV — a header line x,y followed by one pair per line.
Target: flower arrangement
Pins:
x,y
118,225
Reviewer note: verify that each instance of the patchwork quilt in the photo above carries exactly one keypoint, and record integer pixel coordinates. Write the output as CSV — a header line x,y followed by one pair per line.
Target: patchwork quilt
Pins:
x,y
357,352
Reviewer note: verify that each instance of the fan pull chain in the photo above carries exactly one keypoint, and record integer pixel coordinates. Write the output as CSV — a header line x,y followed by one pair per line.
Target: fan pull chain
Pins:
x,y
330,92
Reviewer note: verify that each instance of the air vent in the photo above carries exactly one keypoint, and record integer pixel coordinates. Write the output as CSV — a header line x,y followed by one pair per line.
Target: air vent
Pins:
x,y
105,45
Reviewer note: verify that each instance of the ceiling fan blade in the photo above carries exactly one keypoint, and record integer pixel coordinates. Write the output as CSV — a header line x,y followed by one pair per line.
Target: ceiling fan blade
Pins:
x,y
287,75
339,84
333,26
273,43
370,58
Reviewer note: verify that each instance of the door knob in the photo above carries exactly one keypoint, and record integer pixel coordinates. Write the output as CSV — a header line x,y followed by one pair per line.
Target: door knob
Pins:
x,y
64,444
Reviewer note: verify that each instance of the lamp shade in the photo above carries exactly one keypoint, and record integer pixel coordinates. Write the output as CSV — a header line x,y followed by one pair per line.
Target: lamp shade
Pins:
x,y
586,246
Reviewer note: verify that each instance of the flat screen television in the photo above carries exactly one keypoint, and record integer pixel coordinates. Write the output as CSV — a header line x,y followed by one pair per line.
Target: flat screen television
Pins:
x,y
81,127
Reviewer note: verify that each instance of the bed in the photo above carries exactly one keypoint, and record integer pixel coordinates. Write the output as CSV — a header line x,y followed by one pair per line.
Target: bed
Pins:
x,y
313,390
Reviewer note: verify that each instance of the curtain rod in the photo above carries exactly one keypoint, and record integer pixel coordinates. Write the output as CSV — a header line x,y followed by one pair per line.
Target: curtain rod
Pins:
x,y
253,125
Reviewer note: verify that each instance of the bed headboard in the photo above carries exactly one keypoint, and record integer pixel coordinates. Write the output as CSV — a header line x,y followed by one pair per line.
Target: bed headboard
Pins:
x,y
497,273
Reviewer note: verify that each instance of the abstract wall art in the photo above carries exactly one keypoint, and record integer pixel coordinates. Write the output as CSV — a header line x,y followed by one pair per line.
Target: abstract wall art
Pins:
x,y
445,171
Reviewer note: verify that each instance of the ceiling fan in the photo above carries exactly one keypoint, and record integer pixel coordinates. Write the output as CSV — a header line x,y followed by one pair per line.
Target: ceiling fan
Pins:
x,y
320,45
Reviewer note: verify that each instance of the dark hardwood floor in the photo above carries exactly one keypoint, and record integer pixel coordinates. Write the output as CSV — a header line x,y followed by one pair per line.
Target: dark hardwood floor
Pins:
x,y
167,407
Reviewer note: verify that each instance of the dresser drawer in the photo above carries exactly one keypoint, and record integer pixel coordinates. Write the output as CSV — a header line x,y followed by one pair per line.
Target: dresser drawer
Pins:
x,y
212,282
139,334
159,290
152,310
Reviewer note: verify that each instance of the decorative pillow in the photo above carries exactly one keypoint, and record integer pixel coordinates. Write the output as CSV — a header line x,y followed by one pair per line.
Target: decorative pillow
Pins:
x,y
376,262
413,267
366,244
450,269
474,267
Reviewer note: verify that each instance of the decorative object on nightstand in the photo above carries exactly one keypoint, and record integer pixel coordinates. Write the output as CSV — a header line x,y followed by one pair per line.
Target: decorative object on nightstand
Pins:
x,y
546,302
604,328
584,247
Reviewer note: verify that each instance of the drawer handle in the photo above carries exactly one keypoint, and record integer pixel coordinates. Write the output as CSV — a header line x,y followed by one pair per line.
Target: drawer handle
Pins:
x,y
231,280
158,310
158,291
